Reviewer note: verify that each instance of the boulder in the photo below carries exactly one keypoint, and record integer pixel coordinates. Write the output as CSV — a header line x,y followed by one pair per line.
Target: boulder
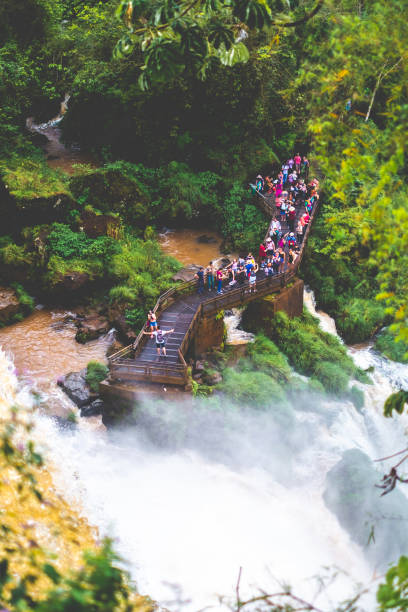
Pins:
x,y
117,319
91,327
186,274
204,239
75,386
72,281
9,304
199,366
212,378
92,409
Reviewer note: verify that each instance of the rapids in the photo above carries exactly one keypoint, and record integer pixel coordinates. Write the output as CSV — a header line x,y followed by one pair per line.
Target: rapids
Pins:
x,y
196,491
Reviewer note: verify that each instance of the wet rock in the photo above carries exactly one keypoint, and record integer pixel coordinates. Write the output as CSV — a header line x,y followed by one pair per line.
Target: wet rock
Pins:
x,y
117,320
9,304
75,386
72,281
186,274
92,409
199,366
212,378
204,239
225,261
91,327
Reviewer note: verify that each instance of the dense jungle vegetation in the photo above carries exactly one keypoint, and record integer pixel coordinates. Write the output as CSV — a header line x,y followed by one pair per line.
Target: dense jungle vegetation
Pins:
x,y
181,105
180,125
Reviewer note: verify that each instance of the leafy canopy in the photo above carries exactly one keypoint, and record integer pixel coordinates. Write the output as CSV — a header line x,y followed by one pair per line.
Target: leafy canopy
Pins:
x,y
171,35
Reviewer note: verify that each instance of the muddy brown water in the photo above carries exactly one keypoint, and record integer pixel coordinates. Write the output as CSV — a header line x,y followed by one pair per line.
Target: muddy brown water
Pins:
x,y
184,245
43,348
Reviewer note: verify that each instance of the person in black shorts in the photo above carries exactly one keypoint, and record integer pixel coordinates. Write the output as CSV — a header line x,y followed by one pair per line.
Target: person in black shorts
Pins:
x,y
160,341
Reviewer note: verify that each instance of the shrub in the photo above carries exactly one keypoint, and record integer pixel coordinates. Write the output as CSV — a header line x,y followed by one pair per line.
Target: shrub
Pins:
x,y
256,388
65,243
315,386
359,319
314,352
26,301
266,357
136,317
332,377
58,268
96,372
122,294
386,344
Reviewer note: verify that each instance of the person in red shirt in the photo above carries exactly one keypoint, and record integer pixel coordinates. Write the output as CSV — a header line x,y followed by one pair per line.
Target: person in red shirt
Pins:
x,y
298,159
262,253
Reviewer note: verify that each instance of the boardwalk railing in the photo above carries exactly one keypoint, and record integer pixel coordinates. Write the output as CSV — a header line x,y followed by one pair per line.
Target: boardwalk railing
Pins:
x,y
122,367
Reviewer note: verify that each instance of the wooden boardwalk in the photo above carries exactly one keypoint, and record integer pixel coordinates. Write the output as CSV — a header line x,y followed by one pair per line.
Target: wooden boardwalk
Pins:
x,y
182,308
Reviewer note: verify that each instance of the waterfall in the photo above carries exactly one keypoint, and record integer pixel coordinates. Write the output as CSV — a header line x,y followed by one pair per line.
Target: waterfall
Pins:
x,y
197,490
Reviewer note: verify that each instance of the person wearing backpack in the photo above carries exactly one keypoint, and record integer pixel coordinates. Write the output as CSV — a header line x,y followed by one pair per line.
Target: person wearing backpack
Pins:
x,y
199,275
160,341
291,217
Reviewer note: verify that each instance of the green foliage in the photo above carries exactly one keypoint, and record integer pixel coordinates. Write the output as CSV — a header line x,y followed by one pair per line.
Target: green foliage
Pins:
x,y
393,593
30,579
362,151
26,301
65,243
142,271
242,223
15,255
333,378
312,351
359,319
57,268
386,343
29,178
255,388
96,372
395,401
136,317
266,357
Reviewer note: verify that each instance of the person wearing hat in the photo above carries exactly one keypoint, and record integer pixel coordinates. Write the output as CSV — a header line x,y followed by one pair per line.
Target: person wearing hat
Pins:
x,y
291,217
259,183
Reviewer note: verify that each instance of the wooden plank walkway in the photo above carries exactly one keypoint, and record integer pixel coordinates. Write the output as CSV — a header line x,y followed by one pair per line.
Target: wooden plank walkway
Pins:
x,y
182,307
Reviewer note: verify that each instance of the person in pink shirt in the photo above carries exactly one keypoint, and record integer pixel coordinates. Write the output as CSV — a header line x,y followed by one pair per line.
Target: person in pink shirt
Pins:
x,y
298,160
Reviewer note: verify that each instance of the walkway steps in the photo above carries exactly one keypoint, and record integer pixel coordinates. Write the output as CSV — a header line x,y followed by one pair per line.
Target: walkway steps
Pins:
x,y
181,308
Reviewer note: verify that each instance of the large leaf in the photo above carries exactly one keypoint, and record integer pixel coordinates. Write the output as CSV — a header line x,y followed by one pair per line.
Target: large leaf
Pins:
x,y
219,34
164,60
123,47
255,13
193,42
235,55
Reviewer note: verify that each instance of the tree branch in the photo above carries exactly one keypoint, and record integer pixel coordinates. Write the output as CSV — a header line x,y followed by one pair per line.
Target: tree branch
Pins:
x,y
305,18
381,76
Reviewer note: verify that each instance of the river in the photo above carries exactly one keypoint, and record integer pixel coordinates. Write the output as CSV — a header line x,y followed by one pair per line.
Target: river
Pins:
x,y
192,495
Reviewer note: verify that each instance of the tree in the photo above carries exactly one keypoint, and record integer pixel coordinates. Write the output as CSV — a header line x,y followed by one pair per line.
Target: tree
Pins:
x,y
170,36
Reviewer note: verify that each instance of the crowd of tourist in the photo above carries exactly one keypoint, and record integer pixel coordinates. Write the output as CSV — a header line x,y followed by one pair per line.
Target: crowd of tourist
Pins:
x,y
294,198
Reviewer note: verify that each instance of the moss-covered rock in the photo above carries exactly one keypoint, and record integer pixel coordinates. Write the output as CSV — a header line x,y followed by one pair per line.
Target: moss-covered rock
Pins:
x,y
312,351
33,193
112,189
